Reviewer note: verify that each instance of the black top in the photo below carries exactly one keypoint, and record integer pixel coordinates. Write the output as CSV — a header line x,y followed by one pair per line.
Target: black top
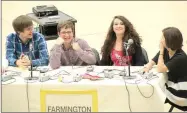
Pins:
x,y
177,66
138,58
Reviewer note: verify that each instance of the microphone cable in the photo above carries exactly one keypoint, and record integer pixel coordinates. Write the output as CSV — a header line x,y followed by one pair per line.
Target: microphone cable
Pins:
x,y
27,92
57,75
142,93
129,104
148,84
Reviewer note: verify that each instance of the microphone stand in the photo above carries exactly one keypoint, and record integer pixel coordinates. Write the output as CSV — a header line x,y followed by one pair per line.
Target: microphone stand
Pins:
x,y
31,68
127,54
129,70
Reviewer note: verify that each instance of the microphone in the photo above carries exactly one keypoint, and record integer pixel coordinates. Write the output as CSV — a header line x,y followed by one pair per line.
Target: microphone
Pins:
x,y
127,46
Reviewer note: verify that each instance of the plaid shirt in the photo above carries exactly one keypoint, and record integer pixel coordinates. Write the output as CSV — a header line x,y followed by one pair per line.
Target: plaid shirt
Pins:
x,y
14,48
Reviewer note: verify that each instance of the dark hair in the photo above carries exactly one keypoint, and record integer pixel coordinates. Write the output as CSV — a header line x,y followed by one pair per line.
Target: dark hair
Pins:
x,y
173,38
65,24
21,22
130,33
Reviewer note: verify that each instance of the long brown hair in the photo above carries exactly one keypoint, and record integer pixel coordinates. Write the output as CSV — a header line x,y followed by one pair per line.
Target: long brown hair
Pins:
x,y
110,40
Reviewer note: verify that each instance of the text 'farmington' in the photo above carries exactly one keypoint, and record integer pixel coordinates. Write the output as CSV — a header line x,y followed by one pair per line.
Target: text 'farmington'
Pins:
x,y
69,109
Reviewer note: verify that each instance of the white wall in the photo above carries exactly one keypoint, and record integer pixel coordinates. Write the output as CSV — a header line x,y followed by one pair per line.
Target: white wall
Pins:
x,y
94,17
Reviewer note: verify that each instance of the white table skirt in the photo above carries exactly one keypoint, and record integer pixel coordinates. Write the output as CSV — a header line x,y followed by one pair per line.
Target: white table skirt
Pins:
x,y
112,93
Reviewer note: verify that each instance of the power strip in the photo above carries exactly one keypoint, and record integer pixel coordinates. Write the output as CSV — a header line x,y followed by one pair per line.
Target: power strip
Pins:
x,y
6,77
90,69
13,73
77,78
74,77
108,73
148,75
44,77
123,73
44,70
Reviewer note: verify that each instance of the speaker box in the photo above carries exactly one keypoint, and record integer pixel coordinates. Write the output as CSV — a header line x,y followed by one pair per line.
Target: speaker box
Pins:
x,y
49,31
48,24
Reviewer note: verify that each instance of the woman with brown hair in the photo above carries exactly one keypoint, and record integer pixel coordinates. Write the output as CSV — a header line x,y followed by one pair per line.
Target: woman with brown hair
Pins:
x,y
172,60
113,51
